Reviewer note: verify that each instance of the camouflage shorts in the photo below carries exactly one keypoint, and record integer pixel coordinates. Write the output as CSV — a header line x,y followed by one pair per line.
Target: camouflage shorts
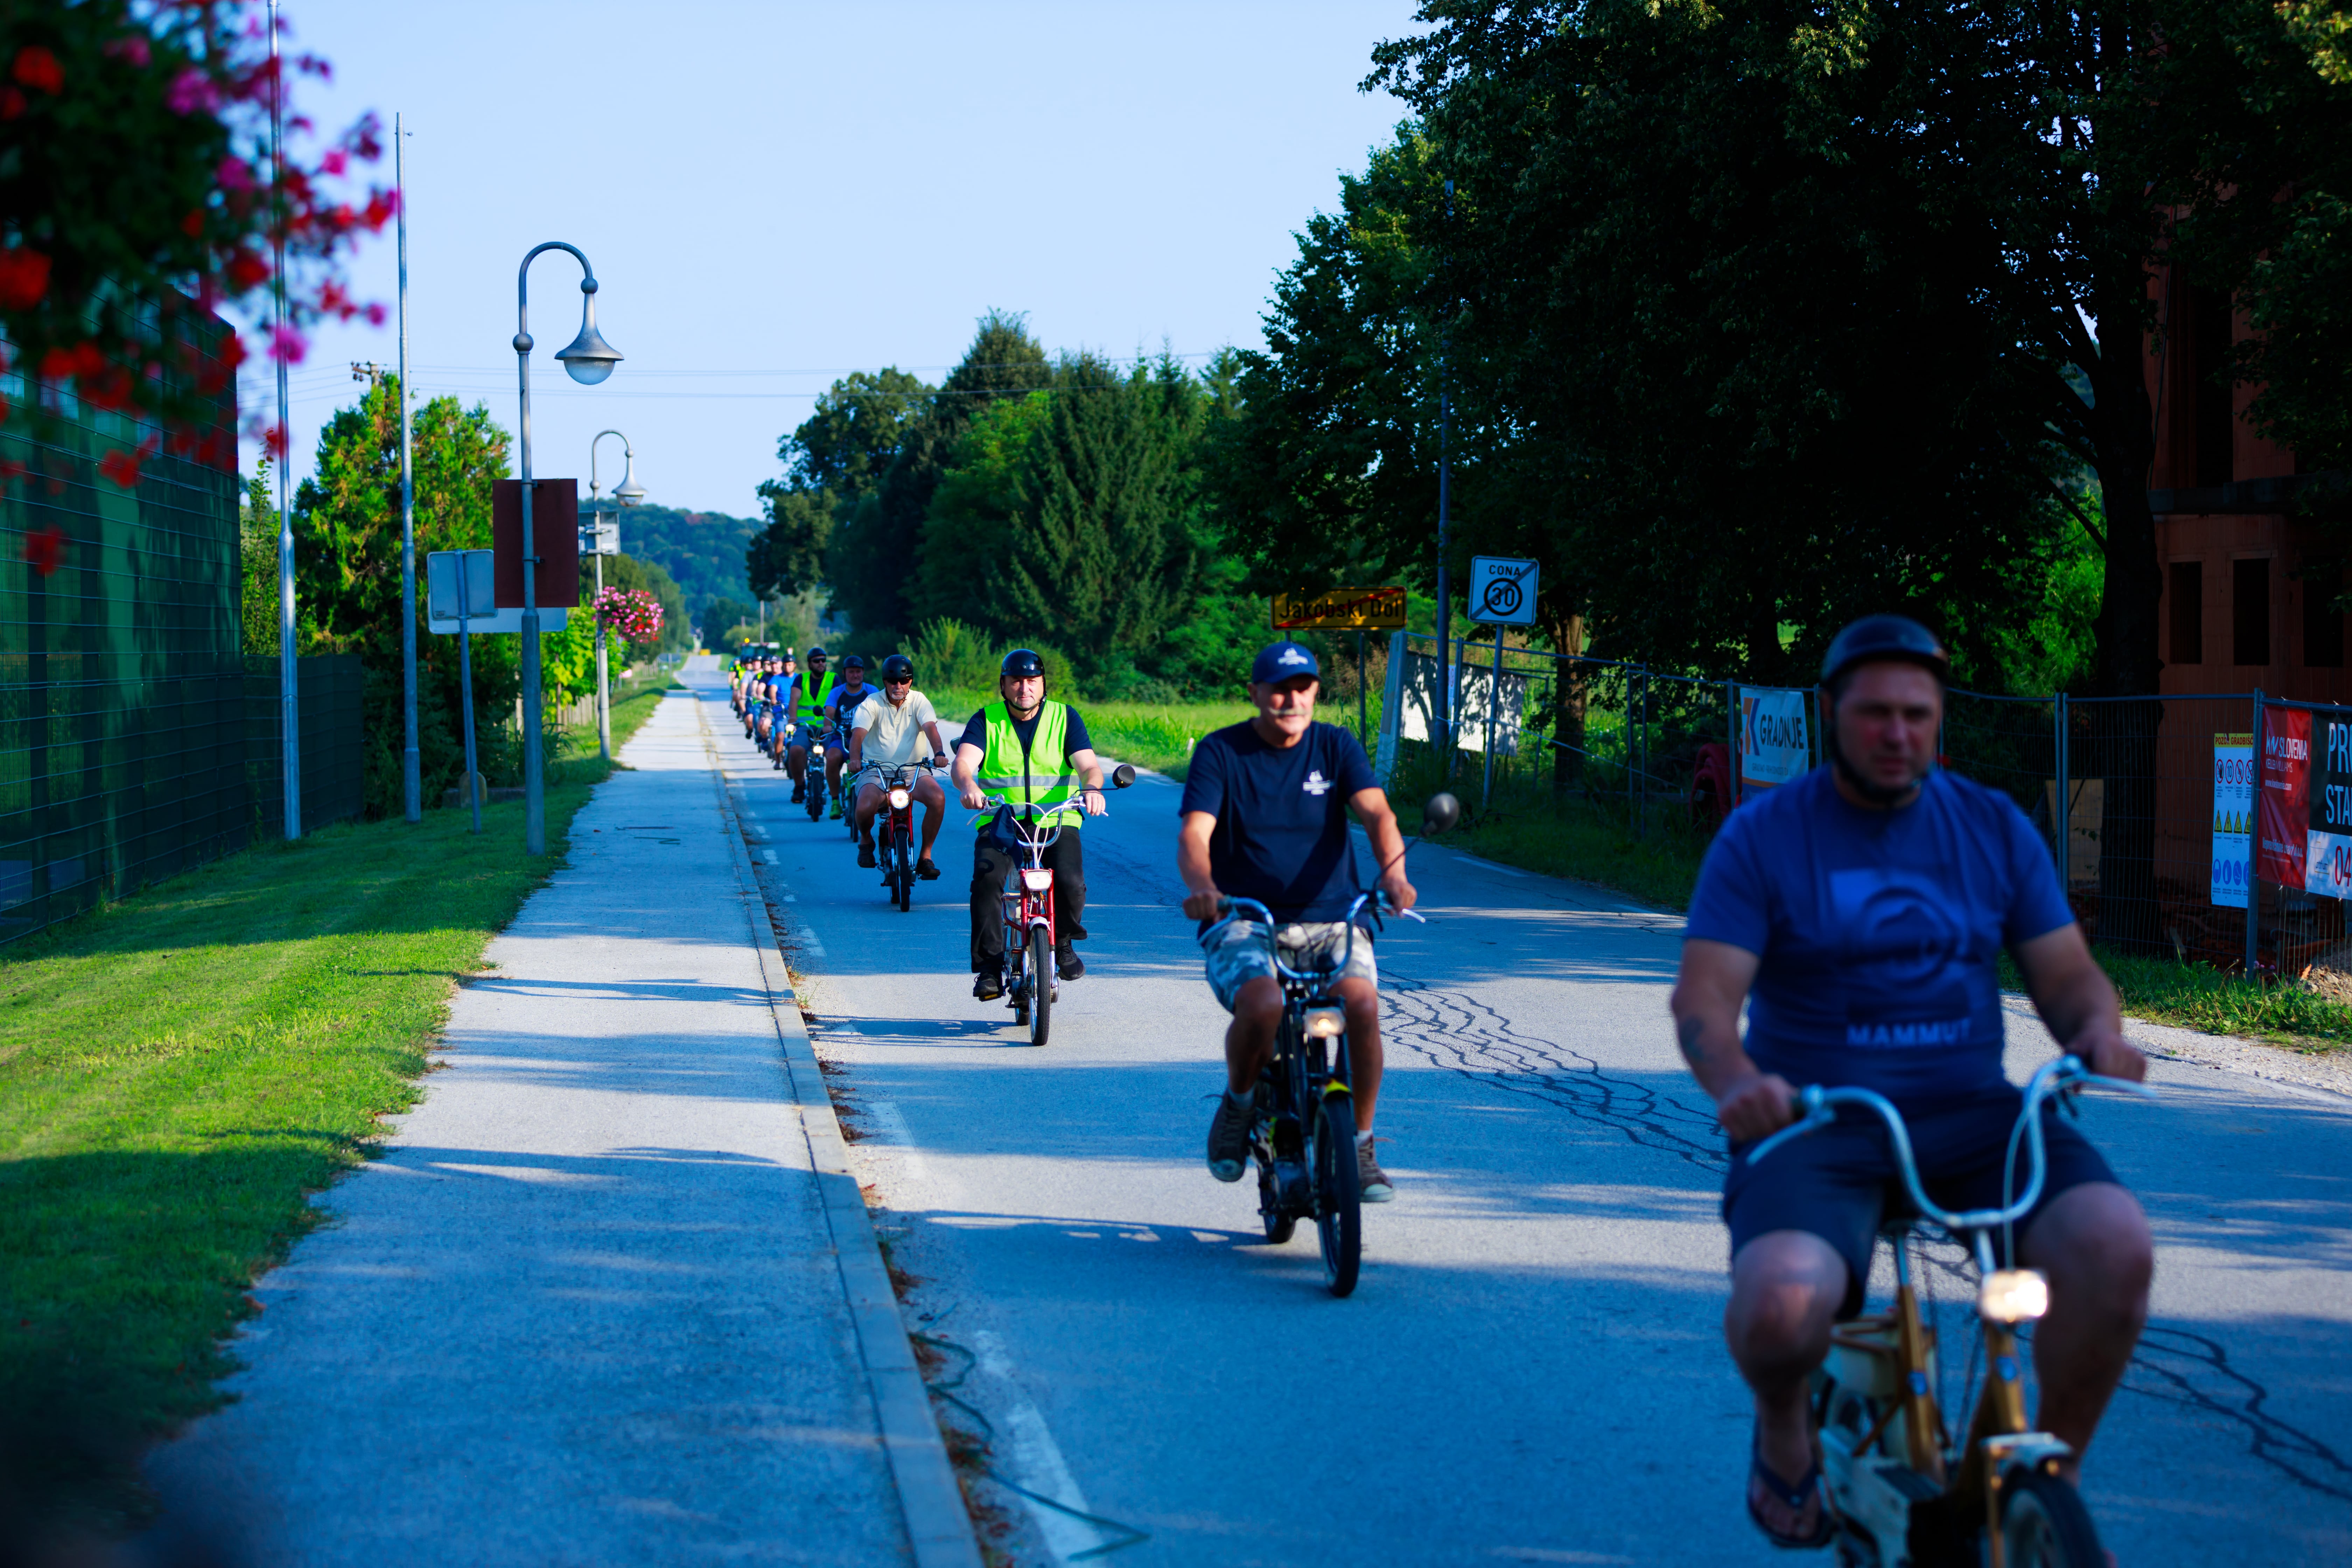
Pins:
x,y
1237,954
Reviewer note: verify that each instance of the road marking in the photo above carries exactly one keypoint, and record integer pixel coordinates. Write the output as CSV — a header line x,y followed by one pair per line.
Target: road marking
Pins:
x,y
1035,1461
887,1119
770,856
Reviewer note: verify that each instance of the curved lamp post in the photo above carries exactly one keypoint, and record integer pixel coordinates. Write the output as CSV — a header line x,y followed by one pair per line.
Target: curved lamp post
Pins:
x,y
588,359
628,493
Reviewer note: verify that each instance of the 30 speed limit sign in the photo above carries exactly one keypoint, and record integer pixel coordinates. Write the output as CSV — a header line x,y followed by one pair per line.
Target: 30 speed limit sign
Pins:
x,y
1502,590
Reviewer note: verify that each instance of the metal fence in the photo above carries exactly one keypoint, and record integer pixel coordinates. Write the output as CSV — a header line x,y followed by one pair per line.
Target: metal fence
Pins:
x,y
328,732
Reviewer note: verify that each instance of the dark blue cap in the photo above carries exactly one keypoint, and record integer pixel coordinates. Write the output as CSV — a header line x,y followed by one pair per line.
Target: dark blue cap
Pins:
x,y
1282,660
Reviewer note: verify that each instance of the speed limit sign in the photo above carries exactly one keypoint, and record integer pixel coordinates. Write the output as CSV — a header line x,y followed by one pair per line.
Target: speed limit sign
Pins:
x,y
1502,590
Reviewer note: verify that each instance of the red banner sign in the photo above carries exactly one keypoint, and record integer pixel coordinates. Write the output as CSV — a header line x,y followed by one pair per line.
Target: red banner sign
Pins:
x,y
2283,805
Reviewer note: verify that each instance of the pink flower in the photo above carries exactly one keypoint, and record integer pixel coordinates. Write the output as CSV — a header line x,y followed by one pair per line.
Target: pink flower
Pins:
x,y
232,175
335,160
190,91
133,49
286,345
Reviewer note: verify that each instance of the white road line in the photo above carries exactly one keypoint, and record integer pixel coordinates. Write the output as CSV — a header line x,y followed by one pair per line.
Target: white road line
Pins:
x,y
884,1116
768,856
1035,1460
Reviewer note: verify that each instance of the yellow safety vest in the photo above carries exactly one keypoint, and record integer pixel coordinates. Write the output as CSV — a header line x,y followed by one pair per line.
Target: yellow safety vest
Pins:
x,y
1039,777
809,707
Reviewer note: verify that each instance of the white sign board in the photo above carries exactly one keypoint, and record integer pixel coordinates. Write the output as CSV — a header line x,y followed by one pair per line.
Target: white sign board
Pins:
x,y
1417,701
601,535
1774,744
2233,812
442,569
1502,590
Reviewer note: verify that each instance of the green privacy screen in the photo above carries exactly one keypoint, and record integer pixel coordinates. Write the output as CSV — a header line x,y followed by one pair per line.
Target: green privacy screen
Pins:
x,y
133,742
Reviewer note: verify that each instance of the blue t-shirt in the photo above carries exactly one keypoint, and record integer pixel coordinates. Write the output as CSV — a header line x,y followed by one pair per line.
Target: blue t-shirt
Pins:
x,y
1878,930
1282,817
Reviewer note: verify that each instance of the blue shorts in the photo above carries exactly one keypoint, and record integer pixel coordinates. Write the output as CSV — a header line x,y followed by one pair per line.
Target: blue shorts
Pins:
x,y
1839,1183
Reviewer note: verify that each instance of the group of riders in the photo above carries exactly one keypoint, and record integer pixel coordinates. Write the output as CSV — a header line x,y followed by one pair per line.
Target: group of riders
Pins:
x,y
1852,920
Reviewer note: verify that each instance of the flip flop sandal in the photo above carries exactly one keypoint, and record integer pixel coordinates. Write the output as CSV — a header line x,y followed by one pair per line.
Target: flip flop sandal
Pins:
x,y
1808,1487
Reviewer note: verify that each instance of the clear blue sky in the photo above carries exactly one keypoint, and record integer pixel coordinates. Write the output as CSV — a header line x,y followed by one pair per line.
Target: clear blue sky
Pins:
x,y
774,195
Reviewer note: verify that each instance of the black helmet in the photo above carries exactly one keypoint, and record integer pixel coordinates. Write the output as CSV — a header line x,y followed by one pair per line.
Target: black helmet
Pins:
x,y
1874,638
854,661
1020,664
898,666
818,652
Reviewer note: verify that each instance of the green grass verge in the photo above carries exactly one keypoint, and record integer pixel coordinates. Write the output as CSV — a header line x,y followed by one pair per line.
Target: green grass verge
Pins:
x,y
1155,735
180,1070
2198,997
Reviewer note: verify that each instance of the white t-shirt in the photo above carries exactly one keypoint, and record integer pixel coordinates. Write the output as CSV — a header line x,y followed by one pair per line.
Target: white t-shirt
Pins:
x,y
894,735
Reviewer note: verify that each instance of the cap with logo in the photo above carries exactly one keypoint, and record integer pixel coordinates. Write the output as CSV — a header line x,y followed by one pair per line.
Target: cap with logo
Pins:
x,y
1282,660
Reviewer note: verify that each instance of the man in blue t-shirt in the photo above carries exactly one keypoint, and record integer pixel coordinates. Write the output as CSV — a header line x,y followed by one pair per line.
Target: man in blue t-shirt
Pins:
x,y
1265,817
1860,912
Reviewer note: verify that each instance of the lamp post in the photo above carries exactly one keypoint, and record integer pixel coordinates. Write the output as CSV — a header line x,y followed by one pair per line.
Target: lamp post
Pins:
x,y
628,493
588,359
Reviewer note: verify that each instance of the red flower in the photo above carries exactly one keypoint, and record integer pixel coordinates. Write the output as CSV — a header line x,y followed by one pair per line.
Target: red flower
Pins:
x,y
246,270
131,47
192,225
12,103
122,468
44,549
23,277
38,69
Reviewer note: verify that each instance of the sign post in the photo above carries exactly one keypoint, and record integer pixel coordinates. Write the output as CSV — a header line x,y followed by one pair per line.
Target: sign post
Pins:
x,y
1357,610
1502,593
459,585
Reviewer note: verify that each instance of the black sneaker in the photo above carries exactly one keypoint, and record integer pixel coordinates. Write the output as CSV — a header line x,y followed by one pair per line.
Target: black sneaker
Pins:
x,y
988,984
926,871
1372,1183
1229,1140
1068,964
800,791
865,854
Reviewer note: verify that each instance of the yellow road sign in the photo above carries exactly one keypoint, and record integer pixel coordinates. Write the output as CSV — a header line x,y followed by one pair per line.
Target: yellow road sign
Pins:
x,y
1340,610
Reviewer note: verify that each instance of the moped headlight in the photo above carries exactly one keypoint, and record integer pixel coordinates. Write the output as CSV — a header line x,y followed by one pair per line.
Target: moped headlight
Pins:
x,y
1325,1023
1037,881
899,799
2013,1295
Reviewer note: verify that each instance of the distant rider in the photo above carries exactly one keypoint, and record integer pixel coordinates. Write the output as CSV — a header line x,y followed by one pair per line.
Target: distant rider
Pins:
x,y
1264,816
805,705
1035,753
888,729
1860,912
840,711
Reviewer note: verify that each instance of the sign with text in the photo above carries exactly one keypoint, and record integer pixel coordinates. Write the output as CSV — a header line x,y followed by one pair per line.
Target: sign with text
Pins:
x,y
1340,610
1502,590
2327,858
2282,800
1775,744
2233,812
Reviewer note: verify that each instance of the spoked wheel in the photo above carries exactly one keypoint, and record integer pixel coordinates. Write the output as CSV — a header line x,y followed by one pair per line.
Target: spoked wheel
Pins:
x,y
1339,1203
815,793
2043,1524
1041,985
1279,1227
906,875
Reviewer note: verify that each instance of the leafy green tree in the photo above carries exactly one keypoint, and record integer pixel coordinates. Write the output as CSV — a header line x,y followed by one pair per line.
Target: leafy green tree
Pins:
x,y
720,616
701,550
836,459
347,573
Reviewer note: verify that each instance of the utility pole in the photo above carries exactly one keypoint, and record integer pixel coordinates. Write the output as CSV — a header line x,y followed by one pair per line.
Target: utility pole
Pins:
x,y
412,787
290,704
1443,731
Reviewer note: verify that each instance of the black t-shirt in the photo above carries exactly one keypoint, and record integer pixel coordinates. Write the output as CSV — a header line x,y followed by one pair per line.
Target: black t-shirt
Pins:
x,y
1282,817
1073,736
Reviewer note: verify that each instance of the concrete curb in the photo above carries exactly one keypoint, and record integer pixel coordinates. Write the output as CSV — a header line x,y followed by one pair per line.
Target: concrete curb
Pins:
x,y
939,1526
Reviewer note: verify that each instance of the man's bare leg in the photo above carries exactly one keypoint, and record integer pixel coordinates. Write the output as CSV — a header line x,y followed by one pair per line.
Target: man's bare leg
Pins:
x,y
935,811
1249,1038
2093,1243
1786,1288
1362,999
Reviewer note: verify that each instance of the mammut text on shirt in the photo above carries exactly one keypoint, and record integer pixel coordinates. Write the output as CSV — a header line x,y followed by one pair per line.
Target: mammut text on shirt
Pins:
x,y
1878,930
1282,817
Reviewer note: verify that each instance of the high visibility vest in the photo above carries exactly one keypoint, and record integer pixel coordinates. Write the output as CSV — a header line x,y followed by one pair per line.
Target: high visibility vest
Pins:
x,y
1040,777
810,708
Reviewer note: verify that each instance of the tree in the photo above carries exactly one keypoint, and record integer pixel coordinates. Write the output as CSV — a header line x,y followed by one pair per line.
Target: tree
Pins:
x,y
834,458
347,580
720,616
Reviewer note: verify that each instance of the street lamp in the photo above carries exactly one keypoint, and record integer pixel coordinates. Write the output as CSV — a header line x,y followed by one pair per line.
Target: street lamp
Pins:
x,y
588,359
628,493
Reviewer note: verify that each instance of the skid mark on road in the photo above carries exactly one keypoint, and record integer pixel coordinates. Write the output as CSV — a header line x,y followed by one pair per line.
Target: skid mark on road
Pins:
x,y
2194,1370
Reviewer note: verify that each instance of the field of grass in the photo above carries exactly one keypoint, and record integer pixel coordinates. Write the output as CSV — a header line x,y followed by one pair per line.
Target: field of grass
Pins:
x,y
1155,735
180,1070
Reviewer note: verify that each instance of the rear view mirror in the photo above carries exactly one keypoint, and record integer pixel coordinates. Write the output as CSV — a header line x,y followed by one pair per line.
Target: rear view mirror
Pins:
x,y
1121,776
1440,811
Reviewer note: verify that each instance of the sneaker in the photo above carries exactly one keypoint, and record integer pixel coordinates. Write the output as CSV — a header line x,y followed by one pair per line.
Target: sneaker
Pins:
x,y
988,984
800,791
865,854
1068,964
1372,1183
1229,1140
836,810
926,871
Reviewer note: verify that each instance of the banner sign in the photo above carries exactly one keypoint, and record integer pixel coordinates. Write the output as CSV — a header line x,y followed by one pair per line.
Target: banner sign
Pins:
x,y
1473,689
1774,744
2283,806
2233,811
2327,860
1340,610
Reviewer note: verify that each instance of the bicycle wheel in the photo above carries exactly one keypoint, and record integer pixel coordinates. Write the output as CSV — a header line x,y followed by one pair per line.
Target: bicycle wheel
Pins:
x,y
1339,1205
1279,1227
906,862
1041,985
815,792
2043,1524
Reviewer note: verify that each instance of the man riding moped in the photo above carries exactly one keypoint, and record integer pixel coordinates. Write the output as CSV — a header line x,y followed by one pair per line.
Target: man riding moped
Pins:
x,y
1264,816
804,706
1860,912
840,713
1035,754
888,730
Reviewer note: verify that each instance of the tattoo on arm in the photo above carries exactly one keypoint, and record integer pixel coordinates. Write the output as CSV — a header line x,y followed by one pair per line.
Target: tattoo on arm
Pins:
x,y
1687,1034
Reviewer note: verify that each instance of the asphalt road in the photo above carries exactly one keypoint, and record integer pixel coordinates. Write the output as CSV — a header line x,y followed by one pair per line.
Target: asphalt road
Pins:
x,y
1531,1369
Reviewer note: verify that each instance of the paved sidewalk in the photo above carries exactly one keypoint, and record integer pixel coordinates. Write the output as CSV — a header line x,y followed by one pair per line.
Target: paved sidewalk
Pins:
x,y
587,1308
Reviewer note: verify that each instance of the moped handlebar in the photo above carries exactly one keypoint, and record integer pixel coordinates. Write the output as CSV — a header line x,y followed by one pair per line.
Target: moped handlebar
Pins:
x,y
2067,1075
